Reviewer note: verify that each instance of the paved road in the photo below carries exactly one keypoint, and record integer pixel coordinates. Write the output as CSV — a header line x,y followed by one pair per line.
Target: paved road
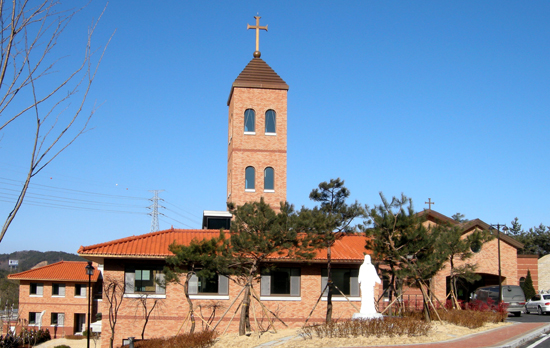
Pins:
x,y
542,341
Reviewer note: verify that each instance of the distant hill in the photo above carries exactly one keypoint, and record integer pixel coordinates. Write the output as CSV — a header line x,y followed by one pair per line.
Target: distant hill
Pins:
x,y
30,258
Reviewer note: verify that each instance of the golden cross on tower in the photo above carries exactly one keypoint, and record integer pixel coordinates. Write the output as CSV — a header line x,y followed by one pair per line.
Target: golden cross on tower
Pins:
x,y
257,53
429,203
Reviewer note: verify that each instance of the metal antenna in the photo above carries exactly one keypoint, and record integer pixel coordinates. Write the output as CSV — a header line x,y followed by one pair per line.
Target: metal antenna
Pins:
x,y
155,210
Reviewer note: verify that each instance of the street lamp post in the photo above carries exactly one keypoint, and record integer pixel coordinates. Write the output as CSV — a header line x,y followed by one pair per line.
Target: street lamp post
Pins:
x,y
89,272
504,228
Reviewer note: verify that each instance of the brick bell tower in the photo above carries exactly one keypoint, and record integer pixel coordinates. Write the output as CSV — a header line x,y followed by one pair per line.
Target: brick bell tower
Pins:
x,y
256,154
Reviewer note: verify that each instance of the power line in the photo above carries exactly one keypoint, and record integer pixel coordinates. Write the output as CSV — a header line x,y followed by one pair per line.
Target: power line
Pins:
x,y
54,188
60,198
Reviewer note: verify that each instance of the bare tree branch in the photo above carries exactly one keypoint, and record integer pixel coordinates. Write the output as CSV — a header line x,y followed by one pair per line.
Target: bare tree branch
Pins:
x,y
27,40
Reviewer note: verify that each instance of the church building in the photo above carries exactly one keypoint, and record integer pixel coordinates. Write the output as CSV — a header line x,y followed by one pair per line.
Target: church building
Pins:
x,y
256,168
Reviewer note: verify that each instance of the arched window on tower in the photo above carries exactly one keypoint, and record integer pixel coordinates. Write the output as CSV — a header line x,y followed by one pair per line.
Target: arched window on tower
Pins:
x,y
270,122
249,176
249,121
269,179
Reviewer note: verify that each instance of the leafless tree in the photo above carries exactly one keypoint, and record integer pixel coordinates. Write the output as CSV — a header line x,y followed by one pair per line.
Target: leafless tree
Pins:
x,y
32,89
142,304
113,292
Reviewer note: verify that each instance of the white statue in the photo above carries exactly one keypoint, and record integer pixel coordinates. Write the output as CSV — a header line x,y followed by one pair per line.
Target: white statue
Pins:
x,y
367,280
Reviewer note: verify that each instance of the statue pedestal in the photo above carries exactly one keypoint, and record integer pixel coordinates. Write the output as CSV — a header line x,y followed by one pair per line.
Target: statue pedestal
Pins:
x,y
361,316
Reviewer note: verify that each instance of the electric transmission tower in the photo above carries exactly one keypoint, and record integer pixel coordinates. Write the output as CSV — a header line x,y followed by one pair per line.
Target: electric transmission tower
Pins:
x,y
155,210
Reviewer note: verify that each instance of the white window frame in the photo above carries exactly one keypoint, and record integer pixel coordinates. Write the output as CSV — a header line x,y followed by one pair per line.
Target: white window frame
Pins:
x,y
222,294
130,280
273,170
265,123
253,181
61,289
39,290
295,286
254,123
354,285
58,315
36,317
82,286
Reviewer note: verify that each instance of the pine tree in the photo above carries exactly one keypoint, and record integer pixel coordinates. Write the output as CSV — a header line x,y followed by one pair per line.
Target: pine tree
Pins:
x,y
400,237
536,240
460,248
199,258
330,221
527,286
256,233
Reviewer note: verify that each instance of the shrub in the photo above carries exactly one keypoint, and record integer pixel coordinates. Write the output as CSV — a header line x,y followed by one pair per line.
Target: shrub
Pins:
x,y
475,315
203,339
391,327
62,346
25,337
75,337
10,341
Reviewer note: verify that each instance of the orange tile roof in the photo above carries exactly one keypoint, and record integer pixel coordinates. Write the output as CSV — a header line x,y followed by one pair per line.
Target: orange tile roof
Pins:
x,y
350,248
59,271
347,248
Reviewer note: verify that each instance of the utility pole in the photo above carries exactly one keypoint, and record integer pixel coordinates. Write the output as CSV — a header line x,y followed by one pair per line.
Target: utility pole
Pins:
x,y
505,229
155,210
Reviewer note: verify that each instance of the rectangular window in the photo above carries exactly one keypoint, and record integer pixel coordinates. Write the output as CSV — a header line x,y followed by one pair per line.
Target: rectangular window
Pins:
x,y
282,281
346,279
144,279
58,289
33,318
57,319
80,290
36,289
216,285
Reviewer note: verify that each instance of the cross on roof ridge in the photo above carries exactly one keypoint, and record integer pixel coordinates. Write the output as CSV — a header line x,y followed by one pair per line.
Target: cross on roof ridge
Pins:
x,y
257,53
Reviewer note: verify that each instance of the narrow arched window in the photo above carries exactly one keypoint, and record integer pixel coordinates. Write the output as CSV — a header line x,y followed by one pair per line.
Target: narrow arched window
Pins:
x,y
270,123
249,120
249,176
269,179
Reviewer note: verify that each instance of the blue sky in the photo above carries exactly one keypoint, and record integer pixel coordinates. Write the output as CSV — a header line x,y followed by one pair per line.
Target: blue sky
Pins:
x,y
442,100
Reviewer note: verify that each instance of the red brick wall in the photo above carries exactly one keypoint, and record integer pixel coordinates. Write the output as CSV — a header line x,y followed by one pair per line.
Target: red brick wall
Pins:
x,y
171,311
68,304
529,263
487,263
259,150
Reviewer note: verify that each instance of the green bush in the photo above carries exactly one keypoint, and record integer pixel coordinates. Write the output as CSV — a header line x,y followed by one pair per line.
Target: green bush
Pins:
x,y
62,346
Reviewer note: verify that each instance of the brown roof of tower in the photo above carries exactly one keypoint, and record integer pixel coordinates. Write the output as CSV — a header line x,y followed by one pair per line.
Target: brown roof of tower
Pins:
x,y
257,74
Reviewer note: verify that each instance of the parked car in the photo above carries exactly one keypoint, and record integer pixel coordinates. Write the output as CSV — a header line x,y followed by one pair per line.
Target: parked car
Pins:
x,y
512,296
539,303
